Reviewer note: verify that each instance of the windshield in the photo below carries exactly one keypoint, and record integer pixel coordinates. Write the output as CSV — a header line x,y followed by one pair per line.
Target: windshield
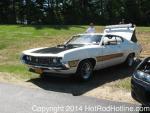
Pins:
x,y
85,39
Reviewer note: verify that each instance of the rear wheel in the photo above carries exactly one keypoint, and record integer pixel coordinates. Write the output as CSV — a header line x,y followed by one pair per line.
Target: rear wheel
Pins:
x,y
130,60
85,70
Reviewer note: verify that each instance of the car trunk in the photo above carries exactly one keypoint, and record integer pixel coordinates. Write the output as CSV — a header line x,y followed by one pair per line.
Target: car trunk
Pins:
x,y
126,31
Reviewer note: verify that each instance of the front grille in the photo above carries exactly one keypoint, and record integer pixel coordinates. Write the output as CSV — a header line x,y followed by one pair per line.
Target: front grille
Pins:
x,y
44,60
39,61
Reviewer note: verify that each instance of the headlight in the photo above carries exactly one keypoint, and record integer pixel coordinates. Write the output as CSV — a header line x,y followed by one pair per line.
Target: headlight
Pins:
x,y
139,75
147,78
28,58
142,76
54,60
57,60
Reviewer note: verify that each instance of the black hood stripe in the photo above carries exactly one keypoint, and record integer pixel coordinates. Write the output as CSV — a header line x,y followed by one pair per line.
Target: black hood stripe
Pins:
x,y
53,50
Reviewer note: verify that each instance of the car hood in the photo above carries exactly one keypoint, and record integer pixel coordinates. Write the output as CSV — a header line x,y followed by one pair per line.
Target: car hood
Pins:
x,y
49,51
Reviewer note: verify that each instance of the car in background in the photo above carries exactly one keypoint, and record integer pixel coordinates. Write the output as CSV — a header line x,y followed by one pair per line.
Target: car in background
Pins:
x,y
86,52
140,83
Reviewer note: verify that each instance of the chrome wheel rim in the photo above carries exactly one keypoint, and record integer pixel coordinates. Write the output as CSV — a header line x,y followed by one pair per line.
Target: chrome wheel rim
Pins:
x,y
86,70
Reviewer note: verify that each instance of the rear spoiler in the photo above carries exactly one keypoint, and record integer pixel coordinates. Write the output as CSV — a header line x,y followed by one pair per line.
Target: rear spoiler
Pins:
x,y
126,31
119,26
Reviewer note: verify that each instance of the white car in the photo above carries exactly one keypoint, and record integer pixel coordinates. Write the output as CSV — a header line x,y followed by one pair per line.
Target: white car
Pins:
x,y
84,53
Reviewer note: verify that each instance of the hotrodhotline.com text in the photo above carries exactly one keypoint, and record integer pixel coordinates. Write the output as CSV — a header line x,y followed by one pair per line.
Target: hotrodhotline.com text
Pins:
x,y
87,108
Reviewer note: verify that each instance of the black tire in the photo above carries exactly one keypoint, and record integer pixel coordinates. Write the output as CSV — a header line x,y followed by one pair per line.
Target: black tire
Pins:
x,y
130,60
85,70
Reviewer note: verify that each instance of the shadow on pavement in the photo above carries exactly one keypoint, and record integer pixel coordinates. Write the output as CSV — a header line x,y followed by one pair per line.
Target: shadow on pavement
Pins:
x,y
72,86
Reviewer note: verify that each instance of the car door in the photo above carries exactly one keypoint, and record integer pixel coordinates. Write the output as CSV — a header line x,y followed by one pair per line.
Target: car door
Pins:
x,y
111,52
97,53
124,48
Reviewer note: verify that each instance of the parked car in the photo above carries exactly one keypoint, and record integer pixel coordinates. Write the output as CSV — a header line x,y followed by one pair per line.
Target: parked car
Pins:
x,y
141,83
84,53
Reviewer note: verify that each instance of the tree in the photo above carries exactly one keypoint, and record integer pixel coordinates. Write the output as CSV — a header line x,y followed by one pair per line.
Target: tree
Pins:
x,y
74,11
133,13
7,12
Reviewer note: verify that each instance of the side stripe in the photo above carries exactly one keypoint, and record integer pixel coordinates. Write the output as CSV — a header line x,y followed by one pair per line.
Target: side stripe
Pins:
x,y
108,57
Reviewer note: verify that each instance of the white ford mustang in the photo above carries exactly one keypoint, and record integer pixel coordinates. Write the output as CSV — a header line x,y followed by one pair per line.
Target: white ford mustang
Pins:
x,y
84,53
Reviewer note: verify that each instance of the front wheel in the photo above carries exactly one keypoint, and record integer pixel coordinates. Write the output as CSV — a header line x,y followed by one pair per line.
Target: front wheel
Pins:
x,y
85,70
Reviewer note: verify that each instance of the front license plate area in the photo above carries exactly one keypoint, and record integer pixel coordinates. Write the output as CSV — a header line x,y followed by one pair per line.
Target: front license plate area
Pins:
x,y
38,70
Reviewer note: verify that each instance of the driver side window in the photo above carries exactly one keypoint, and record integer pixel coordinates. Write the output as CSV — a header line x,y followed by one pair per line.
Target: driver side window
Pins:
x,y
110,40
119,40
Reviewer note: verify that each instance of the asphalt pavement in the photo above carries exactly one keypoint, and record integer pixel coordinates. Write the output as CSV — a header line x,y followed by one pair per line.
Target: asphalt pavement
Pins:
x,y
20,99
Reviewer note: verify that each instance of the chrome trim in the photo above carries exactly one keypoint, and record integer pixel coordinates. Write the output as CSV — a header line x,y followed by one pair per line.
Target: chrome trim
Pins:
x,y
140,79
50,68
56,70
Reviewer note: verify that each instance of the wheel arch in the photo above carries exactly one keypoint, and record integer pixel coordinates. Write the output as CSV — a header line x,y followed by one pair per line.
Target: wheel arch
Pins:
x,y
133,53
92,60
78,71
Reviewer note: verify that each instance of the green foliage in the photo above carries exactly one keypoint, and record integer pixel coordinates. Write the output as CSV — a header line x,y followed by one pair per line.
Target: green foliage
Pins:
x,y
74,11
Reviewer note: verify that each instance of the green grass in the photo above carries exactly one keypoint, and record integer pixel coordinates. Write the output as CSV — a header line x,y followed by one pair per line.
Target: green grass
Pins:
x,y
143,29
13,34
3,46
16,38
124,84
20,71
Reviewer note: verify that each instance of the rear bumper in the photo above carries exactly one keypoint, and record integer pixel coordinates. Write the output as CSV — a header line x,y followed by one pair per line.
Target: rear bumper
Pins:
x,y
57,70
140,91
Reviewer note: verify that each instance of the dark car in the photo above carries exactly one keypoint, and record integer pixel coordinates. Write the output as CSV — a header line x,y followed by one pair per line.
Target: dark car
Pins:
x,y
140,82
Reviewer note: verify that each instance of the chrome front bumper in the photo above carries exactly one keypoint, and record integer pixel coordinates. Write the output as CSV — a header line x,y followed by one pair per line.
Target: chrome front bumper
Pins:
x,y
59,70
